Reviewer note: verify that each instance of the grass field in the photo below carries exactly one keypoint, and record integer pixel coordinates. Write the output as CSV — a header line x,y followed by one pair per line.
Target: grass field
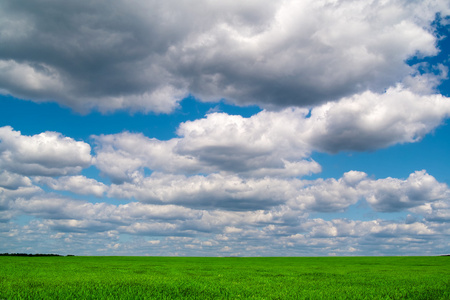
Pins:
x,y
224,278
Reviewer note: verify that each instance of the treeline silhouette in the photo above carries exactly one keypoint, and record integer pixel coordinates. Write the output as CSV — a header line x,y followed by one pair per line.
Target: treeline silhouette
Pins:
x,y
29,254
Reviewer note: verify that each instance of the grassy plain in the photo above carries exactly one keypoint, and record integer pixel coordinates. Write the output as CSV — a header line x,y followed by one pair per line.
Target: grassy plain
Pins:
x,y
224,278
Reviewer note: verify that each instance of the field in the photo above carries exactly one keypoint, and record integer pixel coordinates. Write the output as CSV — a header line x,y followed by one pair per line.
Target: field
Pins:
x,y
224,278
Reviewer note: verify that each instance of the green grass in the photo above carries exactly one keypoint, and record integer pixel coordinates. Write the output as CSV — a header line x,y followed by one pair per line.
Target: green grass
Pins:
x,y
224,278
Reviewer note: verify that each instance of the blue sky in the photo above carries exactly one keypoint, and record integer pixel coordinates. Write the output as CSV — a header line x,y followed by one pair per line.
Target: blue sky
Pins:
x,y
225,129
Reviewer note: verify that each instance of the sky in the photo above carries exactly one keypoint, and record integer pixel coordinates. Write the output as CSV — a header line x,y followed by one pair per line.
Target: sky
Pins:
x,y
225,128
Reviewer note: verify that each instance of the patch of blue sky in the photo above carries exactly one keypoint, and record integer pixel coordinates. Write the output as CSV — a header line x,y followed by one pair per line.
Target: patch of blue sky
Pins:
x,y
442,28
399,161
93,172
23,219
33,118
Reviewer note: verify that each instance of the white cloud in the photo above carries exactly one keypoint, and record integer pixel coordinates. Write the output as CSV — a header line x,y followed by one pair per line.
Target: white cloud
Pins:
x,y
142,55
289,231
207,192
341,228
312,51
428,81
234,193
120,156
437,211
217,203
40,80
13,181
76,184
329,195
370,121
267,143
258,146
47,154
57,208
276,144
393,194
9,196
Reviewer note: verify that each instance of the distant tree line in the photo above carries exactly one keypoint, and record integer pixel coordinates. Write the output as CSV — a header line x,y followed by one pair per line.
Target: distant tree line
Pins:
x,y
28,254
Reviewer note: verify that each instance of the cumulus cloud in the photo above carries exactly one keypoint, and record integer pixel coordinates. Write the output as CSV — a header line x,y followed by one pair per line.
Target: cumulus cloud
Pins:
x,y
80,215
76,184
13,181
370,121
215,191
437,211
244,237
215,226
47,154
215,197
205,148
8,197
119,156
349,230
234,193
142,55
23,192
268,140
329,195
366,121
392,194
276,144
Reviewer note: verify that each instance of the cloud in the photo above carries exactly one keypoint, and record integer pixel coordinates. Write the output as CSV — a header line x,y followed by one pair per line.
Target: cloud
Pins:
x,y
119,156
215,191
371,121
234,193
392,194
329,195
312,52
275,144
46,154
363,122
338,235
290,230
201,150
13,181
224,203
8,196
141,55
437,211
23,192
358,233
267,143
76,184
54,207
